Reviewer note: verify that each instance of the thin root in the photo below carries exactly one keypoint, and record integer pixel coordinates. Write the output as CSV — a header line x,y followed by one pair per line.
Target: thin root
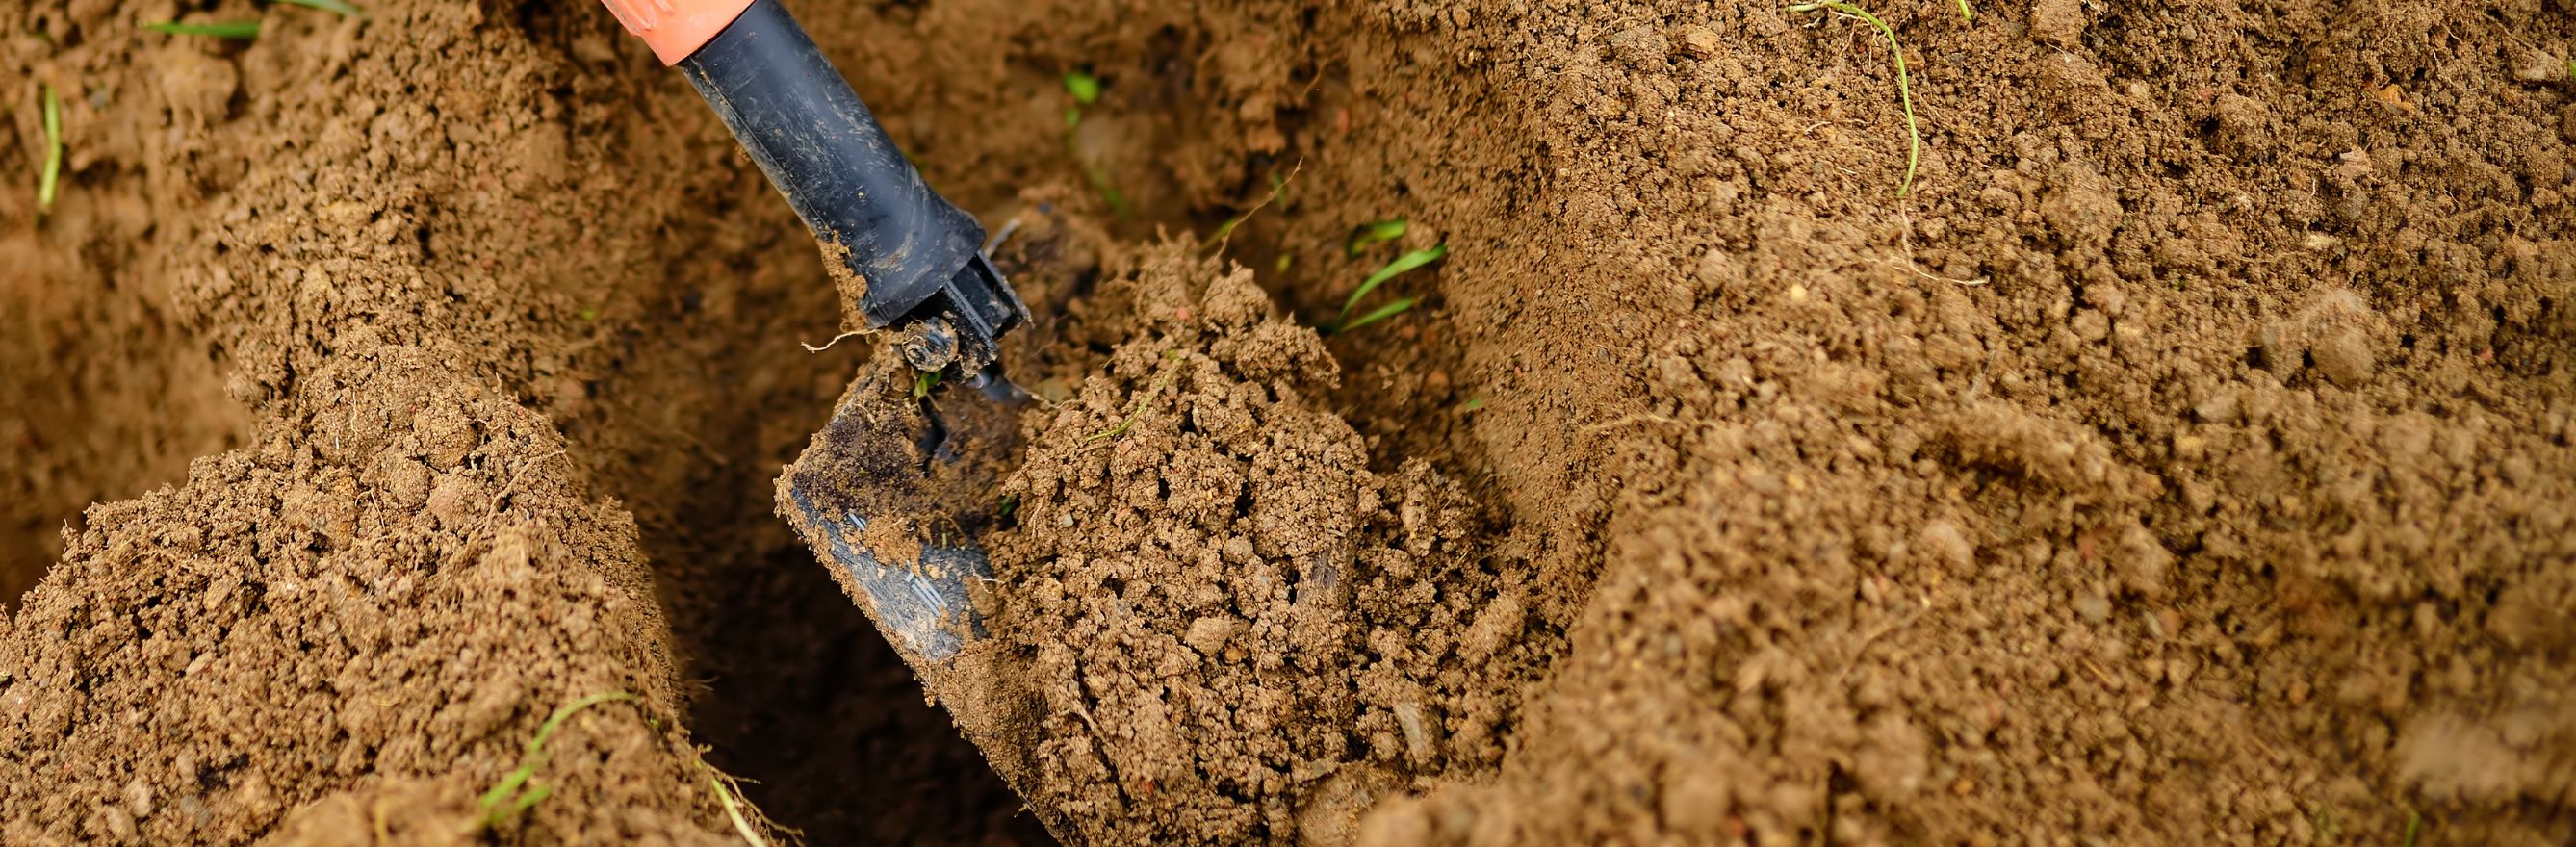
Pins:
x,y
1002,236
1172,366
1905,237
1226,236
733,809
1631,420
506,489
835,340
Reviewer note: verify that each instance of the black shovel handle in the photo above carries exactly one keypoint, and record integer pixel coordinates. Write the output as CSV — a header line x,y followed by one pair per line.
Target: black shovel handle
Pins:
x,y
920,255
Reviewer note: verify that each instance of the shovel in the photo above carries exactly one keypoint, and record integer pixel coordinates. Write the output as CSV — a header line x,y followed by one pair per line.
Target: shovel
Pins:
x,y
893,492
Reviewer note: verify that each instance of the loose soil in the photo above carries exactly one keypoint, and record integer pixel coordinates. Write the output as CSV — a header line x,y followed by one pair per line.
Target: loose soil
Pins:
x,y
1236,630
2187,457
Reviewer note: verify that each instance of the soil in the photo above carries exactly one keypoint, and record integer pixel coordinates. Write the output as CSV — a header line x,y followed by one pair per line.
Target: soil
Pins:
x,y
1236,630
2187,456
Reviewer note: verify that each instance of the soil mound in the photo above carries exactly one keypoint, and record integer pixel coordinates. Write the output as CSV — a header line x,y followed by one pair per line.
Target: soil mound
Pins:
x,y
393,598
1240,633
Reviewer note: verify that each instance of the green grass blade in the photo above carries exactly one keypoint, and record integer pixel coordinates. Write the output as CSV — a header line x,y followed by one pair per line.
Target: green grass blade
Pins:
x,y
491,800
1904,83
342,7
1161,381
1380,313
532,758
50,180
238,30
1374,232
1965,14
1084,87
1406,262
733,811
528,801
537,745
1109,192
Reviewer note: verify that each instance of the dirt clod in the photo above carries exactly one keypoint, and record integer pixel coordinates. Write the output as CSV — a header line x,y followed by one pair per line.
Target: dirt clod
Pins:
x,y
1225,606
2058,23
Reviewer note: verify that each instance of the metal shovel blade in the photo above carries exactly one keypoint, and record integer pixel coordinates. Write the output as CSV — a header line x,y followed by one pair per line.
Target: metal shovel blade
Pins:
x,y
891,495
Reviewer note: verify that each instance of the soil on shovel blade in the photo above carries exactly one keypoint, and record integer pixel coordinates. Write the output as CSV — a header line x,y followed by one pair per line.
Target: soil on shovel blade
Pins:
x,y
2183,449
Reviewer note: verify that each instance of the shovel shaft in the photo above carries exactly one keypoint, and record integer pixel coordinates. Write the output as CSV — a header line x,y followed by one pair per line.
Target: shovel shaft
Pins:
x,y
919,255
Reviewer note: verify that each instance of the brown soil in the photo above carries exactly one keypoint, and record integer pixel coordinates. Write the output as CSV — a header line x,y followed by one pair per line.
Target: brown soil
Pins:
x,y
2188,457
1236,630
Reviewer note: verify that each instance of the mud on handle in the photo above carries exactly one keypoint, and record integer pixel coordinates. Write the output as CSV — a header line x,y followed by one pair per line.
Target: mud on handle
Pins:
x,y
791,110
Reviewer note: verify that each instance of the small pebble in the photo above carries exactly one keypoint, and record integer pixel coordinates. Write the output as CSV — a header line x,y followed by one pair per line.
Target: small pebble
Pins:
x,y
1946,544
2538,67
2344,356
2094,607
1208,635
138,798
1698,42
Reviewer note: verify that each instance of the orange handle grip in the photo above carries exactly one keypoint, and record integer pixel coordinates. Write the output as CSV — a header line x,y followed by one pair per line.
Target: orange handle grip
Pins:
x,y
676,28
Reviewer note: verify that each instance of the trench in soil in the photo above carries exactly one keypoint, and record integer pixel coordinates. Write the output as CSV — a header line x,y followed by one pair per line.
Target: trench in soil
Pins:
x,y
698,390
708,394
106,398
703,398
2231,317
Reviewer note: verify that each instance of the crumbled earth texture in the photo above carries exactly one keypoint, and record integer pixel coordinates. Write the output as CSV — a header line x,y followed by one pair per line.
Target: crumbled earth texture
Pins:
x,y
1239,633
2186,453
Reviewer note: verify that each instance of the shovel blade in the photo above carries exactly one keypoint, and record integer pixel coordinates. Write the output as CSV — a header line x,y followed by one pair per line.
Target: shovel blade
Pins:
x,y
891,494
923,609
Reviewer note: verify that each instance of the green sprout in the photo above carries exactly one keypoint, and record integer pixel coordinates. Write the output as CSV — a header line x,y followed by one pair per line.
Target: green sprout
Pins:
x,y
50,181
238,30
1084,87
1965,15
1904,84
921,387
1381,313
1372,233
2414,826
1278,186
1473,404
1108,191
494,814
1406,262
342,7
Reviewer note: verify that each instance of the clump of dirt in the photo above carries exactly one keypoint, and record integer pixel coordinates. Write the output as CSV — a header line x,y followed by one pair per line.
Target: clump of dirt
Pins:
x,y
1238,631
395,596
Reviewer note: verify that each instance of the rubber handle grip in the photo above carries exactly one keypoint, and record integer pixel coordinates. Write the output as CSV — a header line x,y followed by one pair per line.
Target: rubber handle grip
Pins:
x,y
824,150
